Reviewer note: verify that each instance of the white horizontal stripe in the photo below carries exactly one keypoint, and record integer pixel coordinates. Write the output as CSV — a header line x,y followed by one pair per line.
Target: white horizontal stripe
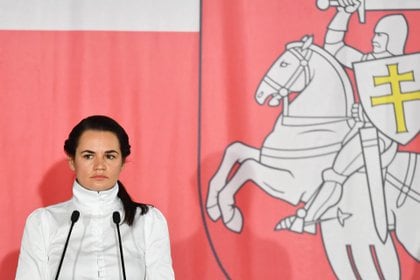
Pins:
x,y
118,15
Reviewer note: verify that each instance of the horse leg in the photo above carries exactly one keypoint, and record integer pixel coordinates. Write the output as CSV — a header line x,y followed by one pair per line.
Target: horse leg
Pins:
x,y
234,153
377,261
268,179
342,263
364,261
388,262
353,246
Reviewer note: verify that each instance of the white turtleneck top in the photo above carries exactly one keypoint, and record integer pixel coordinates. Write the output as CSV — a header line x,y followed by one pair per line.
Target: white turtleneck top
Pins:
x,y
93,250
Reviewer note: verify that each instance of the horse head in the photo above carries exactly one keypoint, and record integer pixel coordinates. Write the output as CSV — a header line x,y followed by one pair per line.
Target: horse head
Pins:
x,y
289,73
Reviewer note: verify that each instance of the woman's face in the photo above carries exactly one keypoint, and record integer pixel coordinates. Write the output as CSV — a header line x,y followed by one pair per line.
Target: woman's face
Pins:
x,y
98,161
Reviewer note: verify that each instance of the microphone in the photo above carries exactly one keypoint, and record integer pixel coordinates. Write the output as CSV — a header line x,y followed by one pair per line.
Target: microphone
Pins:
x,y
117,219
74,218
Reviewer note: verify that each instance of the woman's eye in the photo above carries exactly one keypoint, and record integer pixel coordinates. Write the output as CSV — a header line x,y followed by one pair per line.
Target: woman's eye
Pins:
x,y
87,156
110,156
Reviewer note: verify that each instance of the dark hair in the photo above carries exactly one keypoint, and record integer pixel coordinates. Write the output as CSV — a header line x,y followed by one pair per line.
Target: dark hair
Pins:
x,y
104,123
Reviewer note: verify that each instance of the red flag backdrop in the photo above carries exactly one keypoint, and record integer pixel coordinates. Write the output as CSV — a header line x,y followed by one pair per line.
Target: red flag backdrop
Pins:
x,y
184,91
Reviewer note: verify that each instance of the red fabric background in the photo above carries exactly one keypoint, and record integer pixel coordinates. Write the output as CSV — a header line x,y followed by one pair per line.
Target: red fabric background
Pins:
x,y
241,40
182,103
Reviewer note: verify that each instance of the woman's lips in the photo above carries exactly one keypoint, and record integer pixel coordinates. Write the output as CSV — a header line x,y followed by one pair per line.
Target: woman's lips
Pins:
x,y
99,177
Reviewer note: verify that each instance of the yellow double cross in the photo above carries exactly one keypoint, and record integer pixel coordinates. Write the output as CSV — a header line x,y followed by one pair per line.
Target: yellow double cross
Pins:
x,y
396,98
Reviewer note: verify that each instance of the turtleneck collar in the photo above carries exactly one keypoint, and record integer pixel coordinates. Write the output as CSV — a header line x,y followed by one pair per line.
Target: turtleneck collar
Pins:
x,y
94,202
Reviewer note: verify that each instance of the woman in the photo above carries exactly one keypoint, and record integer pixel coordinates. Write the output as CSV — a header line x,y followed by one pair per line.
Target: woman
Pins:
x,y
97,148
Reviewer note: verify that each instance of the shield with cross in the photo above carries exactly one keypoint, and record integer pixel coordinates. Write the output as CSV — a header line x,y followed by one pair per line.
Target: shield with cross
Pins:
x,y
389,91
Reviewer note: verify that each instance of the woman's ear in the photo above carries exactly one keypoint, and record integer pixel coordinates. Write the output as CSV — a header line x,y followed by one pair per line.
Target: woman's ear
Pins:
x,y
70,160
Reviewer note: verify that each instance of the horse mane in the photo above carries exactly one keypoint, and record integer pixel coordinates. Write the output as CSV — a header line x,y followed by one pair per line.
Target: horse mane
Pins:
x,y
307,42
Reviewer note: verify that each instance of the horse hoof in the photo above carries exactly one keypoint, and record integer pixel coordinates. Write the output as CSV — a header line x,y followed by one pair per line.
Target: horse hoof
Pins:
x,y
236,222
214,212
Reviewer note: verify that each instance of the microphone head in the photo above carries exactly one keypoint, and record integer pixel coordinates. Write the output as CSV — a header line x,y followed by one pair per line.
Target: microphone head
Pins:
x,y
116,217
75,216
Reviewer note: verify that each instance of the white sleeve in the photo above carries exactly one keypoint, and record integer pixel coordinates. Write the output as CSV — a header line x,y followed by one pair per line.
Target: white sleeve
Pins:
x,y
32,264
157,247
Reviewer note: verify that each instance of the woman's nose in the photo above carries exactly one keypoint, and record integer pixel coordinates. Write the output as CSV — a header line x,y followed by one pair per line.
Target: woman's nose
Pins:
x,y
99,164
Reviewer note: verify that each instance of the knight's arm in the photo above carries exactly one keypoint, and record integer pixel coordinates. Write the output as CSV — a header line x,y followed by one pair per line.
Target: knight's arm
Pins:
x,y
334,40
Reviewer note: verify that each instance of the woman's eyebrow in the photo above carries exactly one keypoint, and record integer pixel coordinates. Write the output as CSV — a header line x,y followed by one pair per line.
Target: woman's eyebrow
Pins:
x,y
111,152
87,151
106,152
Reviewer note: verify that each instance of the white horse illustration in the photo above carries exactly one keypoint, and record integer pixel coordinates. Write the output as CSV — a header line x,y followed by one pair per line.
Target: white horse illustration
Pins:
x,y
303,143
304,140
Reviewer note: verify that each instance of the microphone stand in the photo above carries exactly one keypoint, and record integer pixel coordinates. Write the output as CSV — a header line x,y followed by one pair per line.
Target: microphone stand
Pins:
x,y
74,218
116,218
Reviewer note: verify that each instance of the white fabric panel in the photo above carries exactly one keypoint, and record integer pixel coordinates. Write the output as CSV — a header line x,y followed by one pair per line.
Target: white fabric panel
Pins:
x,y
118,15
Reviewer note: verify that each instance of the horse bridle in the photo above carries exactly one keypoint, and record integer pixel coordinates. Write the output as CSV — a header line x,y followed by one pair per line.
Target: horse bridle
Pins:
x,y
283,90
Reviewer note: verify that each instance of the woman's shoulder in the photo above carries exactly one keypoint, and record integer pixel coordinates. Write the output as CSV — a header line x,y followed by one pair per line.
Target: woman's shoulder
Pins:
x,y
151,213
153,216
151,226
46,213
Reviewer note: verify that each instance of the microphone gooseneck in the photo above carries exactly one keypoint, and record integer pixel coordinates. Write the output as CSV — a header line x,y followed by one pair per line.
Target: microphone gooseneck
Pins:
x,y
117,219
74,218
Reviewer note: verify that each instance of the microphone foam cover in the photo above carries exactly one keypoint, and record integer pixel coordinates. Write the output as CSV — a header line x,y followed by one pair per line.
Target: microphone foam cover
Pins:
x,y
75,216
116,217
